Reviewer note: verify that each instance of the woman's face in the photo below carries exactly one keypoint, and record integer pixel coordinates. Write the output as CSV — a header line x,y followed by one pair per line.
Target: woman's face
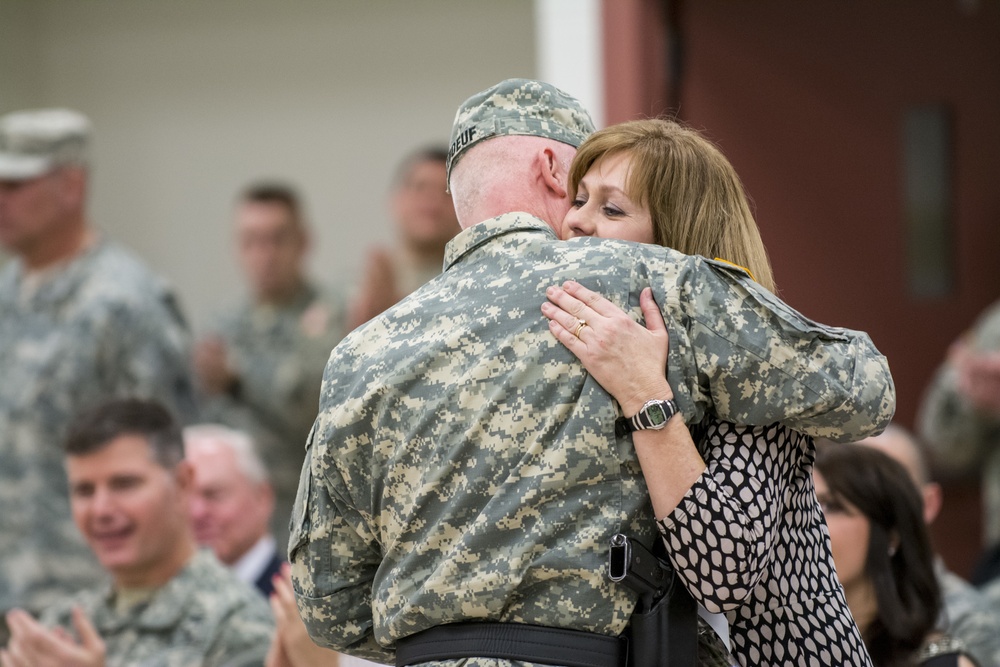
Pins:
x,y
602,208
849,531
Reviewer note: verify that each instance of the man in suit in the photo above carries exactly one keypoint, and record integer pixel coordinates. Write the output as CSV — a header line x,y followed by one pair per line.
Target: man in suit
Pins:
x,y
233,503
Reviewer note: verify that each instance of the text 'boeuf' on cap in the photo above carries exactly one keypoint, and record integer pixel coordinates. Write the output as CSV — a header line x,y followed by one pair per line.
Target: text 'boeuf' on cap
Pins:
x,y
518,107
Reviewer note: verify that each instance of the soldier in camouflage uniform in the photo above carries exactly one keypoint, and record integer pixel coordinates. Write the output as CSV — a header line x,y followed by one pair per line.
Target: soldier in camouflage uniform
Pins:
x,y
260,370
960,415
424,218
81,320
464,467
168,605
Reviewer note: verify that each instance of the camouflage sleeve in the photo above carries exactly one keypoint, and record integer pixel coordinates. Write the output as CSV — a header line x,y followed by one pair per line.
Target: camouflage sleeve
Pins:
x,y
749,358
146,353
333,565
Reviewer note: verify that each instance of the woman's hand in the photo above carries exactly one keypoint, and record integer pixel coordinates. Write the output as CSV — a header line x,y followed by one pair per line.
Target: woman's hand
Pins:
x,y
626,358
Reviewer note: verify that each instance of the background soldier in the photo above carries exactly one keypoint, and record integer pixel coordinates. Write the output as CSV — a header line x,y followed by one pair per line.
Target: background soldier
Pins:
x,y
424,221
960,421
81,320
260,371
168,603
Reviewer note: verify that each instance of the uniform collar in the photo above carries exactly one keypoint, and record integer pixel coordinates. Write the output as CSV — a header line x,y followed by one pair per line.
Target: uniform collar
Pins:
x,y
61,282
475,236
166,608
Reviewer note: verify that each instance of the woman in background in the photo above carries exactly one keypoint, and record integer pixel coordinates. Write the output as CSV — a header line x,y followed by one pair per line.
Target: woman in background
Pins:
x,y
884,557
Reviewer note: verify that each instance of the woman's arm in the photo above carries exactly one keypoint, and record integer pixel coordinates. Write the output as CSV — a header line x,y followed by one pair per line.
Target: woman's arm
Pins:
x,y
630,362
734,501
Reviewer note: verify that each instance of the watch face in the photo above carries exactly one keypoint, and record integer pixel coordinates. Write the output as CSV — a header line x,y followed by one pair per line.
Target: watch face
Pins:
x,y
656,414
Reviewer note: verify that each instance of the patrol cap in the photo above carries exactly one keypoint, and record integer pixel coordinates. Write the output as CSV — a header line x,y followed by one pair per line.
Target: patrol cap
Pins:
x,y
35,142
518,106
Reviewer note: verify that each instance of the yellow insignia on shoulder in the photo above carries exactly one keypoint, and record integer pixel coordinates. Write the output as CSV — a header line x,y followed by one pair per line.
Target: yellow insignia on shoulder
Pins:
x,y
737,266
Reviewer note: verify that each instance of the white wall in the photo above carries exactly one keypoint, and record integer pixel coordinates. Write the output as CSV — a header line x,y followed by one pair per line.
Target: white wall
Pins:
x,y
569,49
193,99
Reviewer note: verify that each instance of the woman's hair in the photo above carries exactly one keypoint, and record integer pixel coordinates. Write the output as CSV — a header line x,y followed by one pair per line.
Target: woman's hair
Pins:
x,y
693,194
899,562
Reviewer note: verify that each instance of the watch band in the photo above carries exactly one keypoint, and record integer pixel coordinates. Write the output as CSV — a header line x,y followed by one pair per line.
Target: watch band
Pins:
x,y
653,415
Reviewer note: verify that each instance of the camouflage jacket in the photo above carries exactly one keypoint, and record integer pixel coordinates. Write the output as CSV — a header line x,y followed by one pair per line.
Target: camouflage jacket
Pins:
x,y
99,327
203,617
279,354
464,466
968,614
962,437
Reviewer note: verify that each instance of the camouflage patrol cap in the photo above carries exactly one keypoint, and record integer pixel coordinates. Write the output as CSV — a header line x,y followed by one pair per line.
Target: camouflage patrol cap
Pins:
x,y
35,142
518,107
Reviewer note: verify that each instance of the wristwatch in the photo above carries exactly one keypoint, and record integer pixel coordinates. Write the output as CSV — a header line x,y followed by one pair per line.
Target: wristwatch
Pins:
x,y
654,415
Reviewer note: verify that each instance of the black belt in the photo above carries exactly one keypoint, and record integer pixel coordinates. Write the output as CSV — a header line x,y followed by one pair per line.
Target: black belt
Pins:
x,y
511,641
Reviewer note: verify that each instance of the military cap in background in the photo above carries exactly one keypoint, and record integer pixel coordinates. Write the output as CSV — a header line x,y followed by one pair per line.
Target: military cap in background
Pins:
x,y
35,142
518,106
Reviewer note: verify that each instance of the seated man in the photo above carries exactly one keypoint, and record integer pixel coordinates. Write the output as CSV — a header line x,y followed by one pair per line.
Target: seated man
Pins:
x,y
168,603
233,503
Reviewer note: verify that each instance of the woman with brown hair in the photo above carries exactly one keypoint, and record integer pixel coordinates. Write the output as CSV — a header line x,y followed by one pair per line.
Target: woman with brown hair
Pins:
x,y
884,558
735,504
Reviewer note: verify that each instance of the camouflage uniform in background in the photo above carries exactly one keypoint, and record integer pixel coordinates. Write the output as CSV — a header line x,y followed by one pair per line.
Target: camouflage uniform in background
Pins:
x,y
969,615
204,616
464,466
99,326
279,354
963,438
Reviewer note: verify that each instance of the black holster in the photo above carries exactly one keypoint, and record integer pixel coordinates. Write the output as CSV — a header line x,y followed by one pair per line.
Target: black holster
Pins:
x,y
663,629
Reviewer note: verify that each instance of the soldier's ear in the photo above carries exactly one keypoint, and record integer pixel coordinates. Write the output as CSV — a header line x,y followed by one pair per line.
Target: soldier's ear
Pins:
x,y
184,476
552,172
72,187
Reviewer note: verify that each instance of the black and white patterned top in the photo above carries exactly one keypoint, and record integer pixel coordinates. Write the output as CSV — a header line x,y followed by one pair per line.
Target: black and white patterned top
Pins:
x,y
750,541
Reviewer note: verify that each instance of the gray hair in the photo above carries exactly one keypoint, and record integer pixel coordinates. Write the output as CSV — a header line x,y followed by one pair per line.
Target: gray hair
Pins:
x,y
239,443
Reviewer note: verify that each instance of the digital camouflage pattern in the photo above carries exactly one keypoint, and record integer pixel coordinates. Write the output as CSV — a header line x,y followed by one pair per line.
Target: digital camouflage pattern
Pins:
x,y
204,616
102,326
464,466
279,354
518,107
963,438
969,615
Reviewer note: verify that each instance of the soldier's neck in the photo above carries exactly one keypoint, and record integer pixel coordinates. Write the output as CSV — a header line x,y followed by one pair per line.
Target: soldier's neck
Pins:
x,y
58,248
156,575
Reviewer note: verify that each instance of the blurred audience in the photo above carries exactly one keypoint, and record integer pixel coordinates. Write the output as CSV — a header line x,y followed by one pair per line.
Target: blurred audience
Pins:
x,y
260,369
883,556
960,421
168,603
424,219
81,320
967,614
233,503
